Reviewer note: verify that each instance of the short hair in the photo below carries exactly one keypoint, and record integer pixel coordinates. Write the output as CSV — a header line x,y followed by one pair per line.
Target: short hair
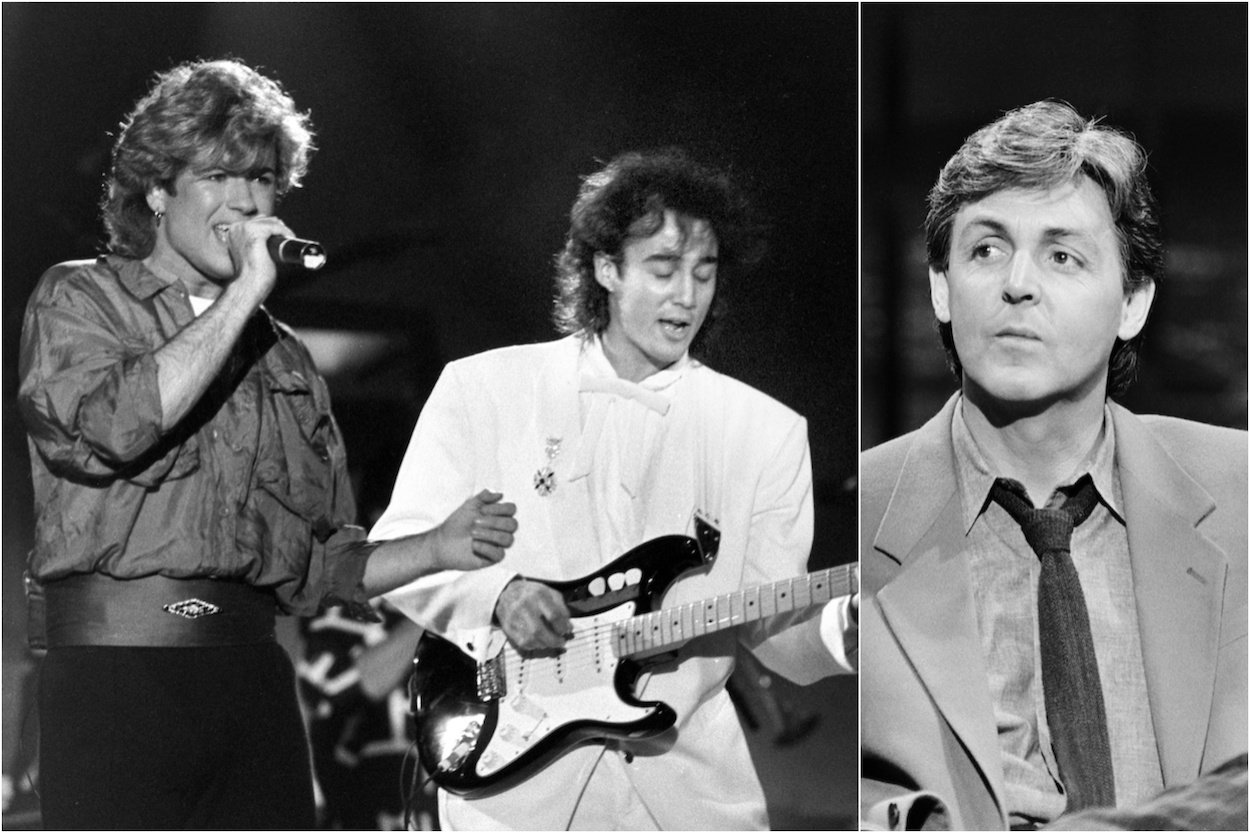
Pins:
x,y
627,199
204,114
1040,146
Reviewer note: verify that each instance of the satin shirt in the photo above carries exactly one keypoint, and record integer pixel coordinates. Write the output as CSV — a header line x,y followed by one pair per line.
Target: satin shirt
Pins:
x,y
252,484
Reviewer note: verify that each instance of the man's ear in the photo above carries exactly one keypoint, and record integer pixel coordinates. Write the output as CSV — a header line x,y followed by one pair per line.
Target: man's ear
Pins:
x,y
939,295
1135,309
606,272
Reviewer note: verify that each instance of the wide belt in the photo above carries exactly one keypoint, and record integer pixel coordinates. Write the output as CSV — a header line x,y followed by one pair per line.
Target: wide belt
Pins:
x,y
155,611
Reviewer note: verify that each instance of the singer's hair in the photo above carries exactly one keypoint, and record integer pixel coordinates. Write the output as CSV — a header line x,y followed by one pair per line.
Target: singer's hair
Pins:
x,y
627,200
200,114
1040,146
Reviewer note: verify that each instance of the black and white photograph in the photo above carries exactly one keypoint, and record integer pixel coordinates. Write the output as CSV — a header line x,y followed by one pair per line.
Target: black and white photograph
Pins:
x,y
625,416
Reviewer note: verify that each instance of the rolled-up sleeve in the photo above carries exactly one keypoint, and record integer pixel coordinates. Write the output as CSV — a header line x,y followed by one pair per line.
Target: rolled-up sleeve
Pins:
x,y
89,397
336,572
317,495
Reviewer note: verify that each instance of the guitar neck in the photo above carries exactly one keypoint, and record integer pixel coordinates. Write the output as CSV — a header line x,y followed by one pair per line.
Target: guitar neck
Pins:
x,y
662,629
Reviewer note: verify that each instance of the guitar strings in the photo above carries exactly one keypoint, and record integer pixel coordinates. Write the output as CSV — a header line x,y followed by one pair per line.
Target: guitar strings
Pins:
x,y
595,646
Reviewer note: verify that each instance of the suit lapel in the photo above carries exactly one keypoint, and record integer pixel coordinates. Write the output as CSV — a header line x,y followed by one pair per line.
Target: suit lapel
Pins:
x,y
1178,576
567,509
928,605
1178,580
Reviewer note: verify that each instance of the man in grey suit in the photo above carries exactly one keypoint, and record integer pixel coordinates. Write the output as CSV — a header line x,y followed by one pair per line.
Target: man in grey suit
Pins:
x,y
1054,614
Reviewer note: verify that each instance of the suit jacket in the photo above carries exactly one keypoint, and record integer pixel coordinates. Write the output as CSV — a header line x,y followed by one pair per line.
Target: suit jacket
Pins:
x,y
927,727
730,451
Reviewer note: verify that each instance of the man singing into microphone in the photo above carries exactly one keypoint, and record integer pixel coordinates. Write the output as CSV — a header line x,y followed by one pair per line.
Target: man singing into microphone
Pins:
x,y
190,481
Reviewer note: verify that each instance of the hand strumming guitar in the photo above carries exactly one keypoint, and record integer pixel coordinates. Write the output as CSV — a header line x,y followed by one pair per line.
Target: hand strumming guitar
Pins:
x,y
533,616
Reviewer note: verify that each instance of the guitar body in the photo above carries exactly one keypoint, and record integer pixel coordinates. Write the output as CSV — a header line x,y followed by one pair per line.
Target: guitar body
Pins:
x,y
482,727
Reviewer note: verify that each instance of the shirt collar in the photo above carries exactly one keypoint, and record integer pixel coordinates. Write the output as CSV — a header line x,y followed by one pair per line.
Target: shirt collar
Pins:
x,y
137,278
593,363
975,477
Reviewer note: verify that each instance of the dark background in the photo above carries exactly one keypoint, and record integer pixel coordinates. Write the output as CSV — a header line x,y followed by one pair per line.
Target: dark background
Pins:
x,y
452,140
1174,75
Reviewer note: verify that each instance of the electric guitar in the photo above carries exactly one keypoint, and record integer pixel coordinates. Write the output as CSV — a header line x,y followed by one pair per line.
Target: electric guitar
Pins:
x,y
483,727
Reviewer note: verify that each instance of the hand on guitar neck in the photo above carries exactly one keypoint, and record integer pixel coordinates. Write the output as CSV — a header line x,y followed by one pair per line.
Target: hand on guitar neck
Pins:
x,y
533,616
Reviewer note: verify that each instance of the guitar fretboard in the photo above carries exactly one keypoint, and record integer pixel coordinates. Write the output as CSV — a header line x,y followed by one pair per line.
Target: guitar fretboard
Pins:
x,y
662,629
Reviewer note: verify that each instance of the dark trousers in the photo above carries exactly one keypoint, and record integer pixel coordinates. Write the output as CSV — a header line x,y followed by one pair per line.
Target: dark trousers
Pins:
x,y
172,738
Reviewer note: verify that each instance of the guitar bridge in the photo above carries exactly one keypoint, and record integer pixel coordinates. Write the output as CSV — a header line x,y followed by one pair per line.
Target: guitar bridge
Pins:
x,y
492,680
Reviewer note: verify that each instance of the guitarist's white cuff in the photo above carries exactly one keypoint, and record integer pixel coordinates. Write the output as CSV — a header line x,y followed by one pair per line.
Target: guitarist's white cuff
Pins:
x,y
841,633
480,643
458,606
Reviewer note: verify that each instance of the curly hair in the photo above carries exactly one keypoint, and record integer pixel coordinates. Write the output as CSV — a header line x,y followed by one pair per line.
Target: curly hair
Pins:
x,y
1040,146
627,199
200,114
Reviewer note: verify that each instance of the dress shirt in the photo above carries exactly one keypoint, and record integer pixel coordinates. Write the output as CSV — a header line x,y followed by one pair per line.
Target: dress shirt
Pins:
x,y
252,484
1005,574
617,414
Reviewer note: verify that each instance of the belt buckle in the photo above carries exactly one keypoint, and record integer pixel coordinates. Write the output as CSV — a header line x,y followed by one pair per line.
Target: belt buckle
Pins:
x,y
191,608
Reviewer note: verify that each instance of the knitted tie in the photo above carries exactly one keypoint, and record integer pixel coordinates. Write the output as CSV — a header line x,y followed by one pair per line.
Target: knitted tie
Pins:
x,y
1070,682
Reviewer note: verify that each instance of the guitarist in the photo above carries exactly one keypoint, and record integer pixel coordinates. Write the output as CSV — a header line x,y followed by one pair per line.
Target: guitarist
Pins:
x,y
614,435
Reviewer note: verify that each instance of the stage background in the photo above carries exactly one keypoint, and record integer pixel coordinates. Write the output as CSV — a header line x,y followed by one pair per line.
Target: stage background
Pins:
x,y
452,140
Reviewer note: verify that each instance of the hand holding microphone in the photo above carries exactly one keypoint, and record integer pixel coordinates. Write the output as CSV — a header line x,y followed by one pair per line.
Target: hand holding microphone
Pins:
x,y
258,245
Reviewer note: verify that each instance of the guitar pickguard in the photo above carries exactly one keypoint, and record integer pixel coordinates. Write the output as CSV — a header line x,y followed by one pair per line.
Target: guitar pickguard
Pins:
x,y
547,693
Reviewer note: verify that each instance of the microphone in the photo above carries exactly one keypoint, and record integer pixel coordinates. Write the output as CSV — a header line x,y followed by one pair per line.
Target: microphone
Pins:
x,y
298,252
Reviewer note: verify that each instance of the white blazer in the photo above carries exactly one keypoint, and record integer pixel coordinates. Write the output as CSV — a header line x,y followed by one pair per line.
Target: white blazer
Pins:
x,y
727,450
